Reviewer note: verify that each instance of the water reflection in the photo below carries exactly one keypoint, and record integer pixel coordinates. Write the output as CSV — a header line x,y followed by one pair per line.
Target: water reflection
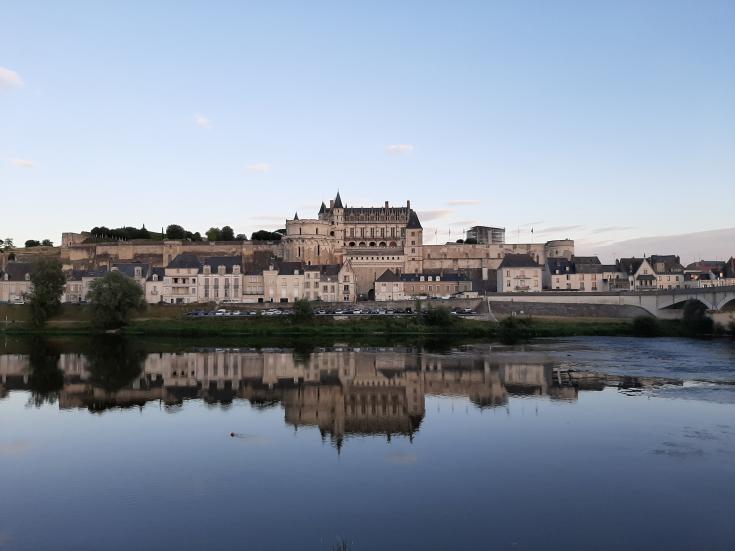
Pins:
x,y
341,391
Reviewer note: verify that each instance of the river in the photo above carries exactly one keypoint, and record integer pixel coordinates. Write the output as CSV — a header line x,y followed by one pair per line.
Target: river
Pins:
x,y
583,443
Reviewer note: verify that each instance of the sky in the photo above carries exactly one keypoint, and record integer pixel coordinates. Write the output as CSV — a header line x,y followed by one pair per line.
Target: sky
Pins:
x,y
605,122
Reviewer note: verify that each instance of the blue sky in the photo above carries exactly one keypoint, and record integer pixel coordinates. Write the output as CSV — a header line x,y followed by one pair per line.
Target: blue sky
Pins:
x,y
600,121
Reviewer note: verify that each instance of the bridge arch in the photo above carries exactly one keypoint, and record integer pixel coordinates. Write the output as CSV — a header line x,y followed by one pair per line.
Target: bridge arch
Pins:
x,y
679,302
727,303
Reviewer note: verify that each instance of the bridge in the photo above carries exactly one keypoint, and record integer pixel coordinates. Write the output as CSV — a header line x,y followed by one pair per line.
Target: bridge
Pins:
x,y
662,303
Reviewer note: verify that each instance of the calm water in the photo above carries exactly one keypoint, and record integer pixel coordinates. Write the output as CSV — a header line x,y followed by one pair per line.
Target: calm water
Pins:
x,y
564,444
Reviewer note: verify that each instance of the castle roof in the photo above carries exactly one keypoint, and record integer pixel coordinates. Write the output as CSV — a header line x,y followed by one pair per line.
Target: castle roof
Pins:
x,y
338,202
413,221
185,260
388,276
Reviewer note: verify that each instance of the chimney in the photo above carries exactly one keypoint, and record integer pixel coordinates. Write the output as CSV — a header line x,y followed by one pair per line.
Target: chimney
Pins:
x,y
331,203
408,205
386,205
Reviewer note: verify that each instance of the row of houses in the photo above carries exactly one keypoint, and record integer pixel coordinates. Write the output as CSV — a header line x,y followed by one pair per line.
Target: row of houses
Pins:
x,y
263,279
521,273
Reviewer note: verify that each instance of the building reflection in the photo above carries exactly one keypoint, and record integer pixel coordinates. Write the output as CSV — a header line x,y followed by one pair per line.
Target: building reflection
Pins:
x,y
339,391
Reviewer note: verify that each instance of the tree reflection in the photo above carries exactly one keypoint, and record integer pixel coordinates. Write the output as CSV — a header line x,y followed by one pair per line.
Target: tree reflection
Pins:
x,y
113,362
46,379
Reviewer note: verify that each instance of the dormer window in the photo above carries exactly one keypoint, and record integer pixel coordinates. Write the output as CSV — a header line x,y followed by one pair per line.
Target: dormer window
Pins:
x,y
236,269
438,278
138,272
28,277
421,278
221,270
207,270
155,277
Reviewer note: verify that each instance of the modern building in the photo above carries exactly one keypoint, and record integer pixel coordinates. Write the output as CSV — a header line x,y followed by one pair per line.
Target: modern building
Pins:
x,y
486,235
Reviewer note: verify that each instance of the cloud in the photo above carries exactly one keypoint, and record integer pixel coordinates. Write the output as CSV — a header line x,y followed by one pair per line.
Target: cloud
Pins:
x,y
259,167
399,149
9,79
269,217
465,223
202,121
23,163
427,215
463,202
558,229
612,228
708,245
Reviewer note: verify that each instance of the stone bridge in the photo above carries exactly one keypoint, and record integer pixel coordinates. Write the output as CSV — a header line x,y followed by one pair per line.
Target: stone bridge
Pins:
x,y
660,303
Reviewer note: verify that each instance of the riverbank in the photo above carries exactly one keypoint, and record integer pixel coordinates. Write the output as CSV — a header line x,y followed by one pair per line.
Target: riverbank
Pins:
x,y
409,326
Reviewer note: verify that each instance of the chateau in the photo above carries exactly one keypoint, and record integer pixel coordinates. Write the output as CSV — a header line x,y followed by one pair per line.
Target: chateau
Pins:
x,y
344,254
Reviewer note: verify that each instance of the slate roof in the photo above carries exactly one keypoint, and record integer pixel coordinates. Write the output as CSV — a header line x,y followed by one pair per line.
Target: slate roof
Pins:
x,y
160,272
442,277
629,265
16,271
78,275
288,268
645,277
185,260
665,264
338,202
128,268
518,261
388,276
413,221
586,260
323,208
562,264
595,268
214,262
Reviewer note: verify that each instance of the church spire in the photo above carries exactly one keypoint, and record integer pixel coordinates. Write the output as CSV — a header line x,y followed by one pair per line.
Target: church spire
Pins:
x,y
296,216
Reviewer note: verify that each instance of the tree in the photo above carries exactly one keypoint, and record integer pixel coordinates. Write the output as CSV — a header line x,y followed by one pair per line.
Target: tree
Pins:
x,y
470,241
45,379
460,241
114,362
241,237
439,317
47,243
302,310
264,235
174,231
227,234
695,320
48,285
113,299
214,234
32,243
8,243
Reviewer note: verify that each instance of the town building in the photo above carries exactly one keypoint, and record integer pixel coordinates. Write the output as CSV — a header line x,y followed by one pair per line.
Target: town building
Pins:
x,y
392,286
519,273
15,282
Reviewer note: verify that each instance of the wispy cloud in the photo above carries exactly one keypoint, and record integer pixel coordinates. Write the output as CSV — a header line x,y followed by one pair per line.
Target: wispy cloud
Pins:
x,y
556,229
427,215
9,79
202,121
463,202
611,228
269,217
400,149
464,223
23,163
260,167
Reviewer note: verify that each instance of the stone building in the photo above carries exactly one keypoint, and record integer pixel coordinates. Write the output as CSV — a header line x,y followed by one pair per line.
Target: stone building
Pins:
x,y
15,282
519,273
391,286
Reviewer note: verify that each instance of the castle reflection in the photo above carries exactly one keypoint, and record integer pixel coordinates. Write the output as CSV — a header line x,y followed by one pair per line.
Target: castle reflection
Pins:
x,y
341,391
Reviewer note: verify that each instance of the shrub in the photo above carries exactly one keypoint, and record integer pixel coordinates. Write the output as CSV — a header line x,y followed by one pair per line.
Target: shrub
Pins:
x,y
302,310
438,317
695,320
646,326
513,329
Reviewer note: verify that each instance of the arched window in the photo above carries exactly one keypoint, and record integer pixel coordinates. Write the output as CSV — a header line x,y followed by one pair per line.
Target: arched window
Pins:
x,y
362,243
393,244
382,244
372,243
331,233
352,243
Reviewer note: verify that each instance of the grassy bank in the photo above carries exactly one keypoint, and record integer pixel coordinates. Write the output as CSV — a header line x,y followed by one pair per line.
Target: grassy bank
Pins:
x,y
353,328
